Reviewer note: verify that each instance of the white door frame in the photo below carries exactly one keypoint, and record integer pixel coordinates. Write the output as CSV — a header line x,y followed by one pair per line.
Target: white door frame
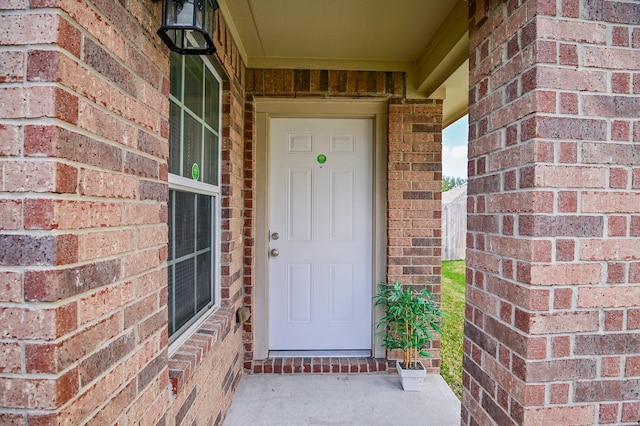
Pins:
x,y
264,110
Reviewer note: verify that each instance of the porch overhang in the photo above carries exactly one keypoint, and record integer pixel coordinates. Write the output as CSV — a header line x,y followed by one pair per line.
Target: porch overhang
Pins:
x,y
426,39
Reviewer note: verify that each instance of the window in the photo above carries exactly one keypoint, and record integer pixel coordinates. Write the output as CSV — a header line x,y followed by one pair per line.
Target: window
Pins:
x,y
194,191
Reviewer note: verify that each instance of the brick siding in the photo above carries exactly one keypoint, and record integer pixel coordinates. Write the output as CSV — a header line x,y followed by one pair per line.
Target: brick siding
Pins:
x,y
414,160
552,245
414,201
84,123
83,226
294,83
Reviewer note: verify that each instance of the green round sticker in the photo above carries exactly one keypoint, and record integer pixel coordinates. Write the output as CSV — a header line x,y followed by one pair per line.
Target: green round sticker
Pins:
x,y
322,158
195,171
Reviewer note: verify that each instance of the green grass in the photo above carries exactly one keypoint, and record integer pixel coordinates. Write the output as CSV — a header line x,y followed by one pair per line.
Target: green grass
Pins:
x,y
453,286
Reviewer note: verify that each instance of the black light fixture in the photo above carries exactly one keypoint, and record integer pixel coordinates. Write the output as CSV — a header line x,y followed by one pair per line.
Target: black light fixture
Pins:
x,y
187,26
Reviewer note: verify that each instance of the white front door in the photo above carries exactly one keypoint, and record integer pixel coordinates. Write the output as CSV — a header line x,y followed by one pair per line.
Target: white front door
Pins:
x,y
320,213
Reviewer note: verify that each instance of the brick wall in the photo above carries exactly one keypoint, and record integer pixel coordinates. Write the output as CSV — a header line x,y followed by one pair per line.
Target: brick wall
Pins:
x,y
414,207
84,191
553,248
83,237
205,371
295,83
414,171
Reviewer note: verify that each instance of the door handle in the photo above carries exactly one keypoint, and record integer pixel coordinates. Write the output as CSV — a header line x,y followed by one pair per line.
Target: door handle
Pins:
x,y
274,253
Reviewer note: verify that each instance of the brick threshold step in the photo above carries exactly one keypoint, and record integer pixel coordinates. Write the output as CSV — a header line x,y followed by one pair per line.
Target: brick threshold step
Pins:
x,y
311,365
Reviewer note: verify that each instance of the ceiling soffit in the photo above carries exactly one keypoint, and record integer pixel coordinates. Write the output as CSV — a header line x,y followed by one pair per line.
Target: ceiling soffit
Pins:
x,y
427,39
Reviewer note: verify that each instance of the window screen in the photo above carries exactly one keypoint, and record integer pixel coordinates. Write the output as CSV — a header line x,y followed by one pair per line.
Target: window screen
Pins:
x,y
194,192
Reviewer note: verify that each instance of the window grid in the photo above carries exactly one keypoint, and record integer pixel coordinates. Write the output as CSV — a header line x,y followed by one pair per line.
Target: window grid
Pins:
x,y
180,103
182,182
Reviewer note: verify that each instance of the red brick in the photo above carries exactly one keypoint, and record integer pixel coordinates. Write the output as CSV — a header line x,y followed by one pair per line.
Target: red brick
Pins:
x,y
635,226
570,8
562,323
135,313
58,284
560,226
611,249
620,36
567,201
29,28
141,213
572,128
140,261
116,405
61,143
60,214
611,366
613,320
616,272
106,184
22,250
107,125
583,414
94,245
613,297
634,272
10,357
41,176
9,419
39,393
140,165
633,319
92,398
55,357
608,413
568,153
152,324
618,178
569,55
43,66
611,106
105,301
614,153
566,273
11,137
12,66
630,411
560,346
10,286
559,393
546,51
565,250
534,395
632,366
10,214
620,82
105,358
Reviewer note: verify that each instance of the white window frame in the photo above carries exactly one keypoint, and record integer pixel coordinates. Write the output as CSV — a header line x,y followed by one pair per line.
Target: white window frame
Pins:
x,y
180,183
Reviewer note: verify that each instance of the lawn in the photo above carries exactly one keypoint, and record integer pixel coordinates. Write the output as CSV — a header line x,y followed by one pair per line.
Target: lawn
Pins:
x,y
453,285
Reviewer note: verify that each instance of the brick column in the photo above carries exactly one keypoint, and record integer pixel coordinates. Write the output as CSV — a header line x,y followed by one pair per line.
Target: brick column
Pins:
x,y
83,234
553,259
414,193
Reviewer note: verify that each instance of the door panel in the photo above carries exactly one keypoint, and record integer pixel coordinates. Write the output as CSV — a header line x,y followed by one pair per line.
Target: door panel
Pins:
x,y
299,205
320,279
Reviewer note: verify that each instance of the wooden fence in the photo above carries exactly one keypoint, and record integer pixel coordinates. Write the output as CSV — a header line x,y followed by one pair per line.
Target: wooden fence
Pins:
x,y
454,223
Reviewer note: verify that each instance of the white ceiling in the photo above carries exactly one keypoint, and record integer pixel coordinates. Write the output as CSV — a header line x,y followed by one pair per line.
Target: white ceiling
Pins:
x,y
425,38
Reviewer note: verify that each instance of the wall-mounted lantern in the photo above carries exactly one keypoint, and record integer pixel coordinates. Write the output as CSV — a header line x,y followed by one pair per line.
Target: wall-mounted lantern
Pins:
x,y
187,26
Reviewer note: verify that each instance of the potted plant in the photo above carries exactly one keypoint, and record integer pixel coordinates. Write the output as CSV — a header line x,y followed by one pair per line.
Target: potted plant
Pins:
x,y
411,317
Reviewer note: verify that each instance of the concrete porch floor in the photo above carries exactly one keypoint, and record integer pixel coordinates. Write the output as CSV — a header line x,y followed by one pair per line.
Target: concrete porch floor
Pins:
x,y
341,399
